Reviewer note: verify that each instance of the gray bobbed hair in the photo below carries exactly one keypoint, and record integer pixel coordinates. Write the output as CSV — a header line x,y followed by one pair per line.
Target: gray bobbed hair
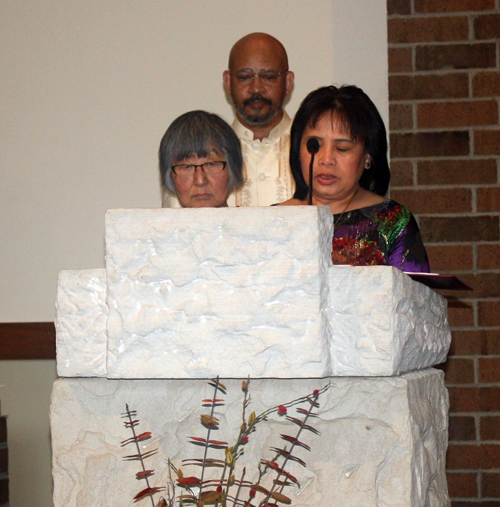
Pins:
x,y
198,133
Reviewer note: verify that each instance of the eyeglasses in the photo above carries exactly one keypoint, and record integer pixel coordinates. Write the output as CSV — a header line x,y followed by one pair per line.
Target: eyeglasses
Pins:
x,y
266,77
186,171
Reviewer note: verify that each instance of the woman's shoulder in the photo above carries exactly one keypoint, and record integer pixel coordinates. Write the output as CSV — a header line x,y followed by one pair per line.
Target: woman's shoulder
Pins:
x,y
386,206
291,202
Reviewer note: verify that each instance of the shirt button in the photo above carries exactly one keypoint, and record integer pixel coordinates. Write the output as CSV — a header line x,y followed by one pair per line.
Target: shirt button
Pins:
x,y
255,145
262,176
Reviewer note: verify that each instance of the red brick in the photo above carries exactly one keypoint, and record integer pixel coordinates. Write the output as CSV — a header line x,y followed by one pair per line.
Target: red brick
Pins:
x,y
454,258
489,370
400,59
453,200
458,370
474,399
473,457
460,314
490,484
487,26
489,427
428,29
398,7
400,116
483,285
447,86
462,485
461,428
430,144
465,343
455,56
453,5
483,342
402,174
457,114
488,256
490,341
459,229
487,142
485,84
456,172
488,199
488,313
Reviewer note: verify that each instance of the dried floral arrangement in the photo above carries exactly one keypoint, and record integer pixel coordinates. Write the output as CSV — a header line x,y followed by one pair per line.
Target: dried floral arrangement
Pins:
x,y
218,481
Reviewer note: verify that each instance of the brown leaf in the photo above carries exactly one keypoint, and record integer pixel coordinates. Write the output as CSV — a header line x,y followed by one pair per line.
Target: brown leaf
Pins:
x,y
188,480
281,498
209,420
282,483
211,496
144,473
302,424
215,383
295,441
260,489
147,492
208,462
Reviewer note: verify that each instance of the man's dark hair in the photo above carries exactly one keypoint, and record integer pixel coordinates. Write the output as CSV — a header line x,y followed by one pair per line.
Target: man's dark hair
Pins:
x,y
198,133
359,117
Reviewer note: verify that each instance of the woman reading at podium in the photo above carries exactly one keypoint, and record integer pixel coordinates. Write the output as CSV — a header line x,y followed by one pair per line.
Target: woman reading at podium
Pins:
x,y
342,130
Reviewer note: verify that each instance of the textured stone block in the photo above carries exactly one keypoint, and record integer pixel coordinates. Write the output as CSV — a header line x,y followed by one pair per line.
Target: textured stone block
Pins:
x,y
196,301
81,318
382,440
384,323
201,292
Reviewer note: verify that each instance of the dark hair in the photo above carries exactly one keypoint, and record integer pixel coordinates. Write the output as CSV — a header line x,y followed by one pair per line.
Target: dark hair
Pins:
x,y
197,133
359,117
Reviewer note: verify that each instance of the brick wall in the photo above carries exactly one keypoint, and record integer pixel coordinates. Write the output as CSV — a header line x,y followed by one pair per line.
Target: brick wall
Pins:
x,y
444,98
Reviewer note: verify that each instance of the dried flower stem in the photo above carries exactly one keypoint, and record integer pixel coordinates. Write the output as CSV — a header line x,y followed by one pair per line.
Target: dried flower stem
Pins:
x,y
139,453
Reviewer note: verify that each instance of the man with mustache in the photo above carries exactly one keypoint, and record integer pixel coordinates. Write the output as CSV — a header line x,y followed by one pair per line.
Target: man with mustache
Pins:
x,y
258,81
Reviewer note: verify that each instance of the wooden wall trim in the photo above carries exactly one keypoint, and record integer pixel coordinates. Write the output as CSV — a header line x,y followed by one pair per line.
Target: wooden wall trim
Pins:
x,y
27,340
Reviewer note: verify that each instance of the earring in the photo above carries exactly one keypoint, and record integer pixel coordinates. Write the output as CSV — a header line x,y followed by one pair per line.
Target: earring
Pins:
x,y
368,163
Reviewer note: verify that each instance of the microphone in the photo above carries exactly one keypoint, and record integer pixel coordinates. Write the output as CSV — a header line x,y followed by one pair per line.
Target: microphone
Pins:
x,y
312,148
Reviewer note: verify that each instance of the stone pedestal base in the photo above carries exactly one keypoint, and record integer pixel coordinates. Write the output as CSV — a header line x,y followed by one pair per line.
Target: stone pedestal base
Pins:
x,y
382,440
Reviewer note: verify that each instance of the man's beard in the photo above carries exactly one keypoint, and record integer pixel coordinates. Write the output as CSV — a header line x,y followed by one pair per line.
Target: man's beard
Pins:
x,y
257,120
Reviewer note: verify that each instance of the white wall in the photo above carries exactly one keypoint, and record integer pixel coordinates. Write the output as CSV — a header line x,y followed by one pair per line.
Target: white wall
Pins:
x,y
88,88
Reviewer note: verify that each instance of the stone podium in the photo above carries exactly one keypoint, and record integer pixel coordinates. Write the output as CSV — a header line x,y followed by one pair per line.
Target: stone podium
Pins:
x,y
193,294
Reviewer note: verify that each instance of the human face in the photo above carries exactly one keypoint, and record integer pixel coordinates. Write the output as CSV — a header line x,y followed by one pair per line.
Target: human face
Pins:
x,y
338,165
202,190
256,103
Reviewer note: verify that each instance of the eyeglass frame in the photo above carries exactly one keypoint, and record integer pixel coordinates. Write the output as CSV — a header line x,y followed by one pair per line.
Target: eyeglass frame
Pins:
x,y
207,173
258,74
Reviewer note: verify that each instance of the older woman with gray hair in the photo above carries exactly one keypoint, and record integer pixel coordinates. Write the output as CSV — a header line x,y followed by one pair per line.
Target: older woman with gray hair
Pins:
x,y
200,160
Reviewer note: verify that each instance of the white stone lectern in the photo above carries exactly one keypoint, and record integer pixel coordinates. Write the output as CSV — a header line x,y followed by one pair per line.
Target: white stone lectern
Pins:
x,y
192,294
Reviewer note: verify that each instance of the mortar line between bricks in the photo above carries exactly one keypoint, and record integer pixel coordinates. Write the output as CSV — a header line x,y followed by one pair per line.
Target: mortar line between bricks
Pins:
x,y
452,14
428,130
466,186
443,72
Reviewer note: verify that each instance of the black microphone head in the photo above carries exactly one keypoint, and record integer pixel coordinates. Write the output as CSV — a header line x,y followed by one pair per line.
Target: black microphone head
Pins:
x,y
312,145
